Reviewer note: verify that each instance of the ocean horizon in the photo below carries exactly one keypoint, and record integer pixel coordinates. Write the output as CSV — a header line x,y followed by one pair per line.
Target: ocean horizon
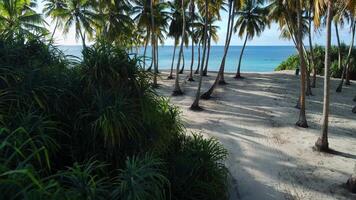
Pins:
x,y
255,59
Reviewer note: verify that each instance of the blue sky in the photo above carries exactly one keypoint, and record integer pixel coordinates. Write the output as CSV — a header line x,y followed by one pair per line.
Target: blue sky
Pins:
x,y
269,37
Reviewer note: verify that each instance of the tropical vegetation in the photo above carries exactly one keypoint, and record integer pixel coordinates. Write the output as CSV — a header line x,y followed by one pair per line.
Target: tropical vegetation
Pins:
x,y
94,128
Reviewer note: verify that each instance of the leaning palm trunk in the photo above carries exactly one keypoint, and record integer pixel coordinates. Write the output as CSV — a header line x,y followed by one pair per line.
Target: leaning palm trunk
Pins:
x,y
205,72
311,49
54,30
322,143
153,44
199,60
220,76
177,90
346,65
174,53
144,52
238,75
302,122
182,70
156,54
190,78
195,105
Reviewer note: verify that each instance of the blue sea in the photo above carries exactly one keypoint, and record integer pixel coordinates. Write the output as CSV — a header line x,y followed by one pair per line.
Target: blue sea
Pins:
x,y
255,59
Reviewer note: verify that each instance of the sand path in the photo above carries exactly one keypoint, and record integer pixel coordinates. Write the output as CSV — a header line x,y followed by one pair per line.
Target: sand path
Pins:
x,y
269,157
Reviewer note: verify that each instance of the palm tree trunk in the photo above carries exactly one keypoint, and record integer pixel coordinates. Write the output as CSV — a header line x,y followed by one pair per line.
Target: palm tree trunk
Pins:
x,y
238,75
205,72
174,53
83,38
311,49
220,76
345,69
190,78
347,81
322,143
177,91
144,52
54,30
156,48
302,122
195,105
153,43
182,69
339,88
199,58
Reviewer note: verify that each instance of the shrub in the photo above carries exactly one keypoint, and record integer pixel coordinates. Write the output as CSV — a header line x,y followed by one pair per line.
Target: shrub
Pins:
x,y
292,62
95,130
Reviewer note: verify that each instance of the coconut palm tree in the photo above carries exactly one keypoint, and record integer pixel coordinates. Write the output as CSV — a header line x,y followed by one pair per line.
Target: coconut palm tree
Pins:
x,y
345,65
193,37
175,28
285,13
195,105
322,143
212,35
177,90
51,9
18,17
233,5
80,14
115,23
141,13
252,20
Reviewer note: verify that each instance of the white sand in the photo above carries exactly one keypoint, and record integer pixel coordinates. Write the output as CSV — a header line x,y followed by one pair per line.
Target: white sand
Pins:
x,y
269,157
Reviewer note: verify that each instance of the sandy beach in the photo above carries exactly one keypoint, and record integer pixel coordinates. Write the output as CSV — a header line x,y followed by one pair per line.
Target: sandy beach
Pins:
x,y
269,157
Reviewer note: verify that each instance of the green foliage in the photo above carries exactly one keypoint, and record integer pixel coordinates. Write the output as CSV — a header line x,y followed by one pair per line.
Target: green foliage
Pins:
x,y
95,129
196,169
292,62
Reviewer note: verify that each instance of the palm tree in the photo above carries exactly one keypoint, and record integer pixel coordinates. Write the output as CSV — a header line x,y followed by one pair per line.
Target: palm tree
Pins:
x,y
80,14
345,65
285,13
251,22
193,37
233,4
322,143
195,105
142,16
177,90
115,24
18,17
175,28
212,35
51,9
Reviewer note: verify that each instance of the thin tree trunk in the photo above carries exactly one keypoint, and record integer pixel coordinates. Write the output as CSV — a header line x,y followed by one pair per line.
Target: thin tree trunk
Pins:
x,y
54,30
347,81
205,72
238,75
339,88
220,76
144,52
156,49
322,143
191,9
174,53
153,42
302,122
182,69
177,91
311,49
83,38
199,59
345,69
195,105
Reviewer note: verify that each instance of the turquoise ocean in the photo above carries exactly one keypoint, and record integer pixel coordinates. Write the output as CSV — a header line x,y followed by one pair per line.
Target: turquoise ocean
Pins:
x,y
255,59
